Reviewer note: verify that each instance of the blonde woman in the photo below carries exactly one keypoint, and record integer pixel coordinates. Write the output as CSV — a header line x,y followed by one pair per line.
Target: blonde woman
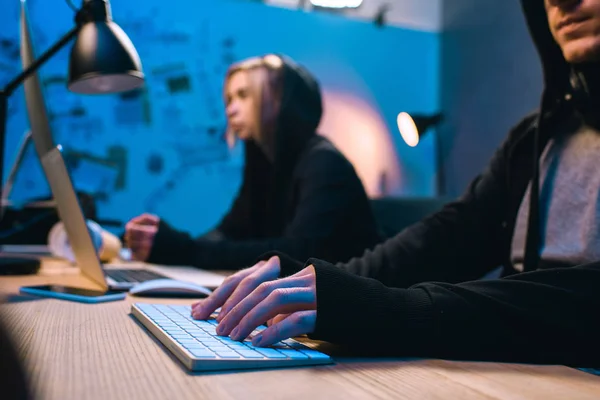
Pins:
x,y
299,194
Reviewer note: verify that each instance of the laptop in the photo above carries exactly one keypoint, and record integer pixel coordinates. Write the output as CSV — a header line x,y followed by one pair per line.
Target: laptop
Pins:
x,y
116,277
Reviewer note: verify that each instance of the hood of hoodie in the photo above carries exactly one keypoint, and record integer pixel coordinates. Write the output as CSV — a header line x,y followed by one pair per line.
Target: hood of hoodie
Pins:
x,y
555,68
268,181
582,81
300,112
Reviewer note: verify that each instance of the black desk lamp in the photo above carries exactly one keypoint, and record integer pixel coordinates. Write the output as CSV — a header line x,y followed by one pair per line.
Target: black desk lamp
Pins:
x,y
102,60
413,128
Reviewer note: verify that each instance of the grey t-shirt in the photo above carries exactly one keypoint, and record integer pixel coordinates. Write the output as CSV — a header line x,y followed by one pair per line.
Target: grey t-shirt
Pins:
x,y
569,201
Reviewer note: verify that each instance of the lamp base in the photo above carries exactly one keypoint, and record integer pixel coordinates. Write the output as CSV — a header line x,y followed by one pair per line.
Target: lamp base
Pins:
x,y
19,266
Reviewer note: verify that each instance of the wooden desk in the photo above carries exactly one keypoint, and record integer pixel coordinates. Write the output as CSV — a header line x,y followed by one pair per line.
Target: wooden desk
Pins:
x,y
79,351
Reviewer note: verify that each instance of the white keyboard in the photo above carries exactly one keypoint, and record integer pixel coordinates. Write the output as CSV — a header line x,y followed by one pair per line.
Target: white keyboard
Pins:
x,y
199,348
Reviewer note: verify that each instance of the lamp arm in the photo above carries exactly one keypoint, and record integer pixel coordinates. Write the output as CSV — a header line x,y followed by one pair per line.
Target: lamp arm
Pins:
x,y
14,84
6,189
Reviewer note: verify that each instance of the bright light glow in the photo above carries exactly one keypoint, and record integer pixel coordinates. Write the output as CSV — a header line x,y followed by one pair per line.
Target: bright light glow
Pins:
x,y
273,61
408,129
110,83
337,3
360,133
102,84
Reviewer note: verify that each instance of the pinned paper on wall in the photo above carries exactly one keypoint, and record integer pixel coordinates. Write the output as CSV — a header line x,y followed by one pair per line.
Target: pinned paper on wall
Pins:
x,y
98,174
133,109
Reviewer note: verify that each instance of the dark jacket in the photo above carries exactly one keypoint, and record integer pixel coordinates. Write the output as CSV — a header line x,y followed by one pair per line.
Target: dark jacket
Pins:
x,y
549,315
307,201
13,379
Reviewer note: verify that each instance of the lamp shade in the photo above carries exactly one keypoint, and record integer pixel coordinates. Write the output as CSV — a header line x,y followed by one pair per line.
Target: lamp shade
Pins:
x,y
413,127
103,59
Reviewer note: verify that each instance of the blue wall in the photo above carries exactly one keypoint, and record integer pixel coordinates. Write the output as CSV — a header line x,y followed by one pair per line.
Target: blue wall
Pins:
x,y
164,148
491,79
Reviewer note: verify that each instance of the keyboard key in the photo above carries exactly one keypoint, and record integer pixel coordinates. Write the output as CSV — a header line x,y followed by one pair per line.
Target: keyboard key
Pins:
x,y
168,324
156,315
187,341
170,314
146,307
315,355
200,334
201,337
227,354
269,353
210,342
194,346
250,354
294,344
293,354
225,339
175,329
202,353
237,347
178,335
195,330
181,309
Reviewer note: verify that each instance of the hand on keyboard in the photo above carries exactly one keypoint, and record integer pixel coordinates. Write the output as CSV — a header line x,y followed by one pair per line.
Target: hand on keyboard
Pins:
x,y
254,296
235,287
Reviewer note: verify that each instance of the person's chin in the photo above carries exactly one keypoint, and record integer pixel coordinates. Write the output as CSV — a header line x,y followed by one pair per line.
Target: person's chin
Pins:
x,y
243,135
582,50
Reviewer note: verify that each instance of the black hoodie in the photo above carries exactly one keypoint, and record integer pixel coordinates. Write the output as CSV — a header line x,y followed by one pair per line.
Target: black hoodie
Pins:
x,y
547,315
307,201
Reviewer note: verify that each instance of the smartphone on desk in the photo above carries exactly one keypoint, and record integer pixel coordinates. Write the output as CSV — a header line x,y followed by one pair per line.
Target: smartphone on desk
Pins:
x,y
73,294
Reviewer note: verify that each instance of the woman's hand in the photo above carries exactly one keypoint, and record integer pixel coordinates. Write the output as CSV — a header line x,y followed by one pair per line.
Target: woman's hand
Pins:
x,y
139,235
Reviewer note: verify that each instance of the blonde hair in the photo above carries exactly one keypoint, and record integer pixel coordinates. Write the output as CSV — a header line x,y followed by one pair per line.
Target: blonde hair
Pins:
x,y
264,77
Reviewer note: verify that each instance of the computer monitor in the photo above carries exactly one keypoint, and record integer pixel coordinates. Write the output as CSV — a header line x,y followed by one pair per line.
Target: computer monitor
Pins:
x,y
55,169
67,202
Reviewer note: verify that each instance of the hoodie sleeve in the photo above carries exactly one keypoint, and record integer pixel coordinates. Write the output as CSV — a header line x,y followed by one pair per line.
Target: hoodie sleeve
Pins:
x,y
547,316
461,242
324,200
172,246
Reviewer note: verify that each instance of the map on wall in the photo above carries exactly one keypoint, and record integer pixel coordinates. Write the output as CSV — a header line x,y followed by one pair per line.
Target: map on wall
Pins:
x,y
143,144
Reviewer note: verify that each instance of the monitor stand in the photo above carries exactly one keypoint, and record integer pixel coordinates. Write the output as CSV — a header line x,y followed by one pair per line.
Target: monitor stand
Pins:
x,y
14,265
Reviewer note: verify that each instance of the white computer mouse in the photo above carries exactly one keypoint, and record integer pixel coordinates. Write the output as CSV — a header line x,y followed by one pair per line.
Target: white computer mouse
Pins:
x,y
170,288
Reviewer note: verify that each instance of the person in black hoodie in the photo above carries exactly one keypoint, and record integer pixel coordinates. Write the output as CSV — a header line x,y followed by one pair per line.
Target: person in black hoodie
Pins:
x,y
299,194
534,210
